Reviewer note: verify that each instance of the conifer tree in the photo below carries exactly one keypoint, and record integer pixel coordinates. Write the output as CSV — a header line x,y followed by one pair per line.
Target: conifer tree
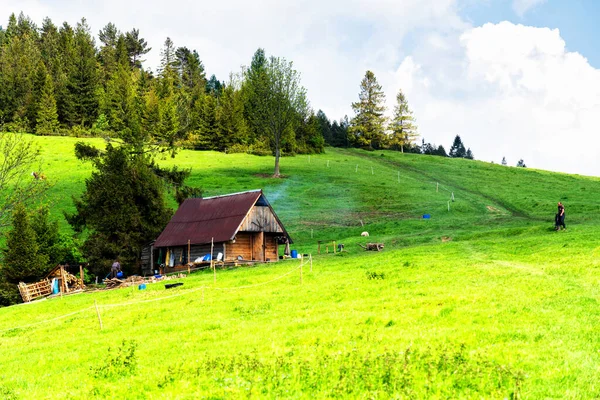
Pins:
x,y
82,102
457,150
504,161
136,48
48,237
23,261
232,126
402,127
469,154
368,125
47,115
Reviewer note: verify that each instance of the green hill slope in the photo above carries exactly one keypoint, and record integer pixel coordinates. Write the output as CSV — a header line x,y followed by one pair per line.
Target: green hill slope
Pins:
x,y
482,301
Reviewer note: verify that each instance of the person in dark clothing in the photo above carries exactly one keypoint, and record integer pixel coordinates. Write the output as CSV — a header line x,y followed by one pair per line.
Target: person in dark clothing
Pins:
x,y
116,268
560,217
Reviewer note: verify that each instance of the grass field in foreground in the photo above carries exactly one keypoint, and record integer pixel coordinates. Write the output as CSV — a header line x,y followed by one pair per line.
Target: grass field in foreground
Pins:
x,y
482,301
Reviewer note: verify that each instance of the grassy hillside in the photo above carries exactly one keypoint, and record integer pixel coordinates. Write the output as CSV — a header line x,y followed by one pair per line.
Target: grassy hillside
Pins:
x,y
482,301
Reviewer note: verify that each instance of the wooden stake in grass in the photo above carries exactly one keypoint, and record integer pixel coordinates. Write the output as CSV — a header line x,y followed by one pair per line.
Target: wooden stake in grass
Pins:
x,y
448,205
98,312
452,196
212,263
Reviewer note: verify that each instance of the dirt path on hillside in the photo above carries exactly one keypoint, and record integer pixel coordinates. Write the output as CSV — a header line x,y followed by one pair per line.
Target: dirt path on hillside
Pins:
x,y
490,199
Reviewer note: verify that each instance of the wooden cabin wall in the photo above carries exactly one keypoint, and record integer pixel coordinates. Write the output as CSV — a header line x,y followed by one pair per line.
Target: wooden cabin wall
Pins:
x,y
241,247
271,248
260,218
196,251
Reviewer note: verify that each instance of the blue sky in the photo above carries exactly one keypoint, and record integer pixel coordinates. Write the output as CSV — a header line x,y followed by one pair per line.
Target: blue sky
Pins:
x,y
577,20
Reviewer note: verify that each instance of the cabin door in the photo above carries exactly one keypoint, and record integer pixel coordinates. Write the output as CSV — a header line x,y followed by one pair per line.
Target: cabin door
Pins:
x,y
258,246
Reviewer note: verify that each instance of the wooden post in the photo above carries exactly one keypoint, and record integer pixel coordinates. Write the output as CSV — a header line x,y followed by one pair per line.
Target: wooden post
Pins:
x,y
334,248
212,262
81,274
98,312
310,258
62,279
452,196
188,260
448,205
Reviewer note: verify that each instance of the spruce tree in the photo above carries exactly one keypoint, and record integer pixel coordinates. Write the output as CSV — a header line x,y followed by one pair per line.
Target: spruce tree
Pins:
x,y
48,237
402,127
123,207
457,150
23,261
82,102
368,125
47,115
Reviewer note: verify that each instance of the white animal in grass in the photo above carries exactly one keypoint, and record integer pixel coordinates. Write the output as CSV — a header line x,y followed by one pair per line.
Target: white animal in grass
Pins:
x,y
365,233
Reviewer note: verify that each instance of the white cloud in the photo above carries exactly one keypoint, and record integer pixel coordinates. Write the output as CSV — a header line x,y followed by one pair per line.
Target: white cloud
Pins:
x,y
522,6
524,96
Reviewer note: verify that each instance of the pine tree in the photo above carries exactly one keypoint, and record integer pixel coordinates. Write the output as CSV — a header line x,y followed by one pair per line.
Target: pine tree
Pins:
x,y
368,125
469,154
47,115
136,48
402,127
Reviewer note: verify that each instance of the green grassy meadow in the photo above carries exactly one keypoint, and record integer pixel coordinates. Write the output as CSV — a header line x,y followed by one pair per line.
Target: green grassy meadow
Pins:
x,y
483,301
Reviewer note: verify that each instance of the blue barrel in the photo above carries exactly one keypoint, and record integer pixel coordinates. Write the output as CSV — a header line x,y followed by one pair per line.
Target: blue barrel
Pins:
x,y
294,253
142,286
119,274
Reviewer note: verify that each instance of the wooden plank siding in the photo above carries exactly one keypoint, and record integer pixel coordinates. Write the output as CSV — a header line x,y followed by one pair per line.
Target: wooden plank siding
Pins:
x,y
271,248
241,247
260,219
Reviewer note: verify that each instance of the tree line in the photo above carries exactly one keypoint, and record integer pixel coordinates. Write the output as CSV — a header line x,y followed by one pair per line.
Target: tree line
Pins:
x,y
55,80
371,129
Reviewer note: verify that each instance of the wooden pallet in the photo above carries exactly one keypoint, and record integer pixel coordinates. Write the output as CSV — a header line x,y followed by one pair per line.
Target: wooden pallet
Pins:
x,y
35,290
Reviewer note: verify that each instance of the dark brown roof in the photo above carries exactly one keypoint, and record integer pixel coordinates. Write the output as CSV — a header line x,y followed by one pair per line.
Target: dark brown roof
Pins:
x,y
200,220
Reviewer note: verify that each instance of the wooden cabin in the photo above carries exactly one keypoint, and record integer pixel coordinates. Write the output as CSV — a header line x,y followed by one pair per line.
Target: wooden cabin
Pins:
x,y
239,227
